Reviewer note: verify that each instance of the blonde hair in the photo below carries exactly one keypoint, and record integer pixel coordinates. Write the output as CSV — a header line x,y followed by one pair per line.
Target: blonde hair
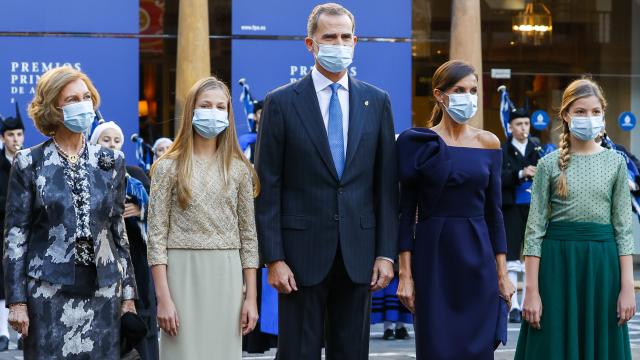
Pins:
x,y
329,9
44,109
578,89
446,77
182,148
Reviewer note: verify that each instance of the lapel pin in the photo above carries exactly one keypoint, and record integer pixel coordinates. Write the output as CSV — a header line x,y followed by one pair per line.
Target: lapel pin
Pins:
x,y
366,103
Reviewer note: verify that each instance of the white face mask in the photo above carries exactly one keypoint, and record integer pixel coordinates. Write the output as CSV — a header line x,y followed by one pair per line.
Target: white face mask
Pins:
x,y
334,58
79,116
462,107
210,122
586,128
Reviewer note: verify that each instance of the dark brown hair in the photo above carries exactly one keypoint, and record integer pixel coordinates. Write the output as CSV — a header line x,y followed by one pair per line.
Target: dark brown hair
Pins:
x,y
445,77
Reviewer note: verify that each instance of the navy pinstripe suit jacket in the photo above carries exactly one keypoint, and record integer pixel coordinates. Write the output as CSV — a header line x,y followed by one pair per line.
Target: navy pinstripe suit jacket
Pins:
x,y
304,212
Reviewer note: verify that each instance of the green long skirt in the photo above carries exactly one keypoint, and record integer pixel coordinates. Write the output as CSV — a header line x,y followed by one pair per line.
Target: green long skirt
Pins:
x,y
579,282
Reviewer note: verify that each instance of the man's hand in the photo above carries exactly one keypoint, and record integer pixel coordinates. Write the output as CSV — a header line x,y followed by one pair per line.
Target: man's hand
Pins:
x,y
382,274
281,277
529,171
131,210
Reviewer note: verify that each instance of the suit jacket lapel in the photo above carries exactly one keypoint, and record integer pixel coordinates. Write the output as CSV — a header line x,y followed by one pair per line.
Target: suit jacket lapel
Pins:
x,y
357,110
528,149
309,112
5,164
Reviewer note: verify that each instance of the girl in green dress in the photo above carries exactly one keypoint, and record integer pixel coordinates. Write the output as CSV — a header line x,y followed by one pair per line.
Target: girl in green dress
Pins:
x,y
578,243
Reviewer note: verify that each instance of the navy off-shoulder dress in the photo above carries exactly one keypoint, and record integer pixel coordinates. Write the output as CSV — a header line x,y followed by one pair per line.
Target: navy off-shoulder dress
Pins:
x,y
451,221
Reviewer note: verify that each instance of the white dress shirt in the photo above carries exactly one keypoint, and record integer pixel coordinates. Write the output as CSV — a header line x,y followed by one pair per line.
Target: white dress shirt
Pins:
x,y
323,91
522,148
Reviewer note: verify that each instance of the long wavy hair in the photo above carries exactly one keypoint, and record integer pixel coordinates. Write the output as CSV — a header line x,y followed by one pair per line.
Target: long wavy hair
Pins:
x,y
181,151
578,89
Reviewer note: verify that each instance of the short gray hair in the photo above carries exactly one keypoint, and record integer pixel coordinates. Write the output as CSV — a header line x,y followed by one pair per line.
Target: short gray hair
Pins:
x,y
329,9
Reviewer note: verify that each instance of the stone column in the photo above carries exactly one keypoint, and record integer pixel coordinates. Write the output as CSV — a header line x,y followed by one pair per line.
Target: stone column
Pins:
x,y
466,43
193,61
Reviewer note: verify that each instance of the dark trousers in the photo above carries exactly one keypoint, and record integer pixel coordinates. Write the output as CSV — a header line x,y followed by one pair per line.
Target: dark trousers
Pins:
x,y
515,223
337,310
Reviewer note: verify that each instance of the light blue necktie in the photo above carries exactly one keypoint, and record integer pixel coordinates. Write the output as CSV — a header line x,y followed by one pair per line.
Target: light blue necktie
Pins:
x,y
334,130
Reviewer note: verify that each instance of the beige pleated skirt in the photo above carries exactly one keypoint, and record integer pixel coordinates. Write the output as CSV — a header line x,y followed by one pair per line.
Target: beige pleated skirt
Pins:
x,y
206,288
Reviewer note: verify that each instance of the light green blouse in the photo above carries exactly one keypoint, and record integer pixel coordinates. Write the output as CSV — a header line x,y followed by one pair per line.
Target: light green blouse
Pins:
x,y
598,192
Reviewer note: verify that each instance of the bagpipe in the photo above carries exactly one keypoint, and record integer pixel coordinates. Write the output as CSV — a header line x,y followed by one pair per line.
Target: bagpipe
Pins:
x,y
248,103
506,107
507,110
136,192
144,152
633,174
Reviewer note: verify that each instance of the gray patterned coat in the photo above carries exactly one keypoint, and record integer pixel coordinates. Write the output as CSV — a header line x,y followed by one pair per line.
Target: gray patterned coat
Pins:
x,y
40,221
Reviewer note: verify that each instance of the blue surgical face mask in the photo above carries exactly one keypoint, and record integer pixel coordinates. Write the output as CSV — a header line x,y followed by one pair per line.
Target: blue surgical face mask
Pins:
x,y
79,116
586,128
462,107
334,58
209,123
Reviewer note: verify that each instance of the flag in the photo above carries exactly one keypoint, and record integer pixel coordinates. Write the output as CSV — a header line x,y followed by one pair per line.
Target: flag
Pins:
x,y
245,140
505,110
143,154
632,173
247,105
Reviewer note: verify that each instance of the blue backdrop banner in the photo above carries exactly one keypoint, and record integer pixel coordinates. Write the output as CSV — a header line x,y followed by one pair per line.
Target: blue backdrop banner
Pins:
x,y
113,16
374,18
112,65
268,64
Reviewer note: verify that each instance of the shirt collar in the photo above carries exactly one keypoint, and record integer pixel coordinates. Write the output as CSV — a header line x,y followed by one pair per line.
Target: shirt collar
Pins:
x,y
320,82
518,143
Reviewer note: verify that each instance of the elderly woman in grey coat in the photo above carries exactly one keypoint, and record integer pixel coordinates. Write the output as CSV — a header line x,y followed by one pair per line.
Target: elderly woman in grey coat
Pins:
x,y
68,273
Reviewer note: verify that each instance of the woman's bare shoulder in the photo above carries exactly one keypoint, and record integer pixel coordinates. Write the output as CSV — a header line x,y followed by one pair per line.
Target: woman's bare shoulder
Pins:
x,y
487,139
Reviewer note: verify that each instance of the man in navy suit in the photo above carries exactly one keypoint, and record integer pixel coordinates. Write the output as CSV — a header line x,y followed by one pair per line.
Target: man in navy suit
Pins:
x,y
327,212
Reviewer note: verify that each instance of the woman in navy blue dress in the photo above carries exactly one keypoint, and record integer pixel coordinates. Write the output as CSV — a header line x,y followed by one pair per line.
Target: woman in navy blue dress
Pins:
x,y
452,242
